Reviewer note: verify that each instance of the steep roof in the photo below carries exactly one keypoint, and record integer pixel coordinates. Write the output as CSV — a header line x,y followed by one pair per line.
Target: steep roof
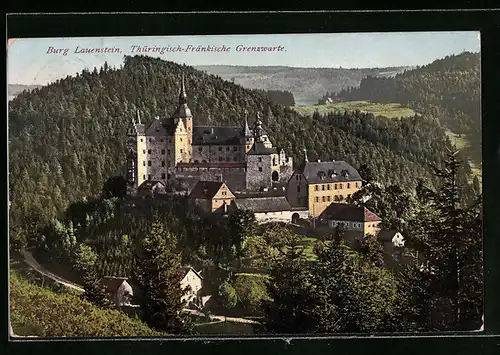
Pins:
x,y
259,148
329,171
149,184
111,284
186,269
347,212
217,135
386,235
206,189
263,204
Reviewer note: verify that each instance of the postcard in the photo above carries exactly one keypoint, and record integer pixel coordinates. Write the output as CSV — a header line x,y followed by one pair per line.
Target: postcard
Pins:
x,y
245,185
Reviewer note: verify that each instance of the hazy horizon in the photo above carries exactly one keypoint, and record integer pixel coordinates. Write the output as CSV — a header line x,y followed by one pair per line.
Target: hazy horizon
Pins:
x,y
29,63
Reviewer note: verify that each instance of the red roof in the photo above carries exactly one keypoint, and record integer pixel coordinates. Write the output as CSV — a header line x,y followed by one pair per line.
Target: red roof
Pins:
x,y
346,212
206,189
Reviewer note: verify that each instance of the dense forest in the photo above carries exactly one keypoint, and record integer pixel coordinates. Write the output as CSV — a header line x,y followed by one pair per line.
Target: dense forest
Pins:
x,y
284,98
67,138
447,89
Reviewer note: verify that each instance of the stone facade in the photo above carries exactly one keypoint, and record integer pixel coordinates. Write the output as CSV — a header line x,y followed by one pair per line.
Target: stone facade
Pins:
x,y
173,147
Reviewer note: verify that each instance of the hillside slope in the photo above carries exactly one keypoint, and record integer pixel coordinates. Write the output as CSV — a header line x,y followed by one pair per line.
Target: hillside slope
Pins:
x,y
66,139
447,89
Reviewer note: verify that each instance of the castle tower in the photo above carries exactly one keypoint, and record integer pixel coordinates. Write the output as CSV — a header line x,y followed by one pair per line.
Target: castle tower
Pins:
x,y
135,146
260,134
183,128
249,139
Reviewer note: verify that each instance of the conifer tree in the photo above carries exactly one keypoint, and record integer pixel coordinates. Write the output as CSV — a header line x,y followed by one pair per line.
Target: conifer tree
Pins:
x,y
159,274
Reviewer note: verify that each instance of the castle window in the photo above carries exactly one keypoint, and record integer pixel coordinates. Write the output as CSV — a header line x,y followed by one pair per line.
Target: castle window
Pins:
x,y
220,158
161,140
260,160
180,139
298,188
328,187
297,177
149,140
181,151
323,187
149,177
235,148
317,199
260,168
329,198
340,186
143,176
316,187
200,149
149,151
142,140
335,187
143,163
149,162
144,151
323,198
348,185
163,163
163,151
163,176
220,149
168,151
227,149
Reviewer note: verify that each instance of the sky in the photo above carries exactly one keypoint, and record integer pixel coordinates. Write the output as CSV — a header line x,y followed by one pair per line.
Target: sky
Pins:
x,y
32,61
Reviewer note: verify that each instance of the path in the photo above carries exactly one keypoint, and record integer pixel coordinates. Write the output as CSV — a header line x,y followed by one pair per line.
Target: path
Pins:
x,y
30,260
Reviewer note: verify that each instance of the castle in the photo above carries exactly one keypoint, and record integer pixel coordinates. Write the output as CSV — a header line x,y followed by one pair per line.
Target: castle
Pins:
x,y
174,148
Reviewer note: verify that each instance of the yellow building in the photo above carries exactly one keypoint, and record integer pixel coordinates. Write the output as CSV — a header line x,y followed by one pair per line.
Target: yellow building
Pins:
x,y
319,184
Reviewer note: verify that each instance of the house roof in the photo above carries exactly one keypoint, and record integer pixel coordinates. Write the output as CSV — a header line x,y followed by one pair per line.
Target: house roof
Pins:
x,y
203,135
186,269
386,235
258,148
329,171
149,184
206,189
111,284
263,204
347,212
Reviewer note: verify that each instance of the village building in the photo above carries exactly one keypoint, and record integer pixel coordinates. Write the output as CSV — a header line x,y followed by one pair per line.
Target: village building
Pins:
x,y
211,197
173,147
270,208
352,218
319,184
118,289
192,282
151,188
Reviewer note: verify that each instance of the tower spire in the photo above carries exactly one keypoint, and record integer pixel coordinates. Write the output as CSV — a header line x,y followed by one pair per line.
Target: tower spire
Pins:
x,y
138,118
305,155
248,133
182,95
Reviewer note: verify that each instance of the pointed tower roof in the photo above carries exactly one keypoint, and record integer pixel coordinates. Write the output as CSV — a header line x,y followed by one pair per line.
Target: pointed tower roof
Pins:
x,y
248,132
138,118
305,155
182,110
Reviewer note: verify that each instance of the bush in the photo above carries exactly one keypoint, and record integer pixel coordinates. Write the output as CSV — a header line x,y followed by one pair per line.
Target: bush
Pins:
x,y
227,295
251,291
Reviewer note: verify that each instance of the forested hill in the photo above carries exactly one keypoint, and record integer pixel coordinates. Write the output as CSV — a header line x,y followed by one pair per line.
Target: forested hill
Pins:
x,y
447,89
66,139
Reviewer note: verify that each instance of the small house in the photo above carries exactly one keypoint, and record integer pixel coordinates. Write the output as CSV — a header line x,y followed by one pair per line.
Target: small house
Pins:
x,y
150,188
193,282
268,208
119,290
211,196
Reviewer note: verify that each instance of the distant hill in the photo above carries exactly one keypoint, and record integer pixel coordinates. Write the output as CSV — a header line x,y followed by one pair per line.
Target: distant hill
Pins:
x,y
306,84
447,89
14,89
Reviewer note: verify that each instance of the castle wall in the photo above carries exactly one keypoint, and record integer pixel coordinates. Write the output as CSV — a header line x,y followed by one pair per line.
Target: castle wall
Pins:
x,y
259,170
155,157
140,169
296,192
218,153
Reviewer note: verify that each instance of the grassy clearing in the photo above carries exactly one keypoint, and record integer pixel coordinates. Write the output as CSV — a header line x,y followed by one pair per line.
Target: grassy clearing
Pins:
x,y
387,110
459,141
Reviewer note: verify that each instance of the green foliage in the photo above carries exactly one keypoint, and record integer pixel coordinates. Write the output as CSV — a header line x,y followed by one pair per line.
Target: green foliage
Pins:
x,y
241,226
159,276
251,291
41,312
291,293
227,295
